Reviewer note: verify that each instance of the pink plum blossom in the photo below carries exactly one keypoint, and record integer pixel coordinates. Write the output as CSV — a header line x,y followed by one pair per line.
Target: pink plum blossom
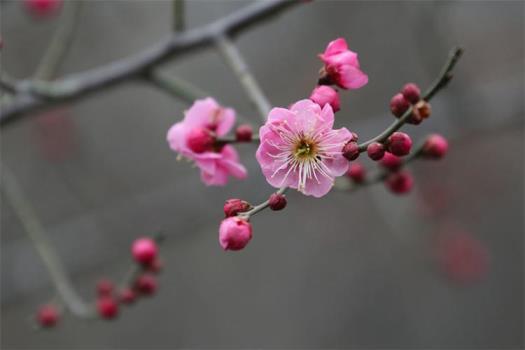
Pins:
x,y
194,138
234,233
324,94
299,148
342,66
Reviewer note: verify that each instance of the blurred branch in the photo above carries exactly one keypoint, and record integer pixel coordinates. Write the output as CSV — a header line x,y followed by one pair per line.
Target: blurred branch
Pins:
x,y
235,60
179,16
175,86
60,42
36,232
82,84
441,82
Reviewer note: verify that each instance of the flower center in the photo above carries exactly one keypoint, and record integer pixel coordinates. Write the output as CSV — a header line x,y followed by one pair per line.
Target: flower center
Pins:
x,y
305,149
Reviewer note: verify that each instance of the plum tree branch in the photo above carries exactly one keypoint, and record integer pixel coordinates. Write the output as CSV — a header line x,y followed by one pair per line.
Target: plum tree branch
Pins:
x,y
78,85
441,82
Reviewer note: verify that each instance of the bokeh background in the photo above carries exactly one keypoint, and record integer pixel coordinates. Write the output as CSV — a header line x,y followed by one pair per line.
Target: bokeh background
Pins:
x,y
360,270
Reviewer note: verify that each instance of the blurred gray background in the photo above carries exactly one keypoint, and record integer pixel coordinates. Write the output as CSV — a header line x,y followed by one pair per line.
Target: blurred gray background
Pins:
x,y
345,271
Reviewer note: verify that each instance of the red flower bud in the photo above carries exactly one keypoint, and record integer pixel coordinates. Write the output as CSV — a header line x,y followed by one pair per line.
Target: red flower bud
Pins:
x,y
234,206
146,284
47,316
200,140
107,308
277,201
435,146
351,150
375,150
155,266
356,172
390,161
399,105
400,182
411,93
127,296
243,133
399,144
104,287
144,250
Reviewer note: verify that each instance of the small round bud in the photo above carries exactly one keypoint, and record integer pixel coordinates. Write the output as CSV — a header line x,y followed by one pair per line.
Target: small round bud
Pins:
x,y
277,201
375,151
399,182
435,146
146,284
104,287
47,316
42,8
391,162
356,172
399,144
415,118
107,308
200,140
244,133
351,150
399,105
234,206
411,93
127,296
155,266
234,233
144,250
423,109
324,94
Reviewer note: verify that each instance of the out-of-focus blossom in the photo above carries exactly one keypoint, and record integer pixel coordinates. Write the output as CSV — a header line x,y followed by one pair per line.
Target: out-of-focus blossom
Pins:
x,y
195,136
324,94
42,8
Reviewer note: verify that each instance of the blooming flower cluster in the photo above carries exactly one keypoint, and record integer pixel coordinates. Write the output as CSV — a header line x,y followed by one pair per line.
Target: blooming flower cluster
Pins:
x,y
195,138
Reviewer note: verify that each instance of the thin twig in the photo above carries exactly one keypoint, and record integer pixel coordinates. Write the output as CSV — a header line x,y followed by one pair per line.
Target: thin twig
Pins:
x,y
179,15
246,215
235,60
175,86
36,232
443,79
80,85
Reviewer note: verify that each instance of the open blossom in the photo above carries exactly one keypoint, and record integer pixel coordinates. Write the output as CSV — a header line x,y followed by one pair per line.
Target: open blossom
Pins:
x,y
342,66
195,136
299,148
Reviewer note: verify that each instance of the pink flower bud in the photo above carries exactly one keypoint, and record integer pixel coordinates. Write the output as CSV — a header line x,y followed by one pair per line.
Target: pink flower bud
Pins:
x,y
47,316
234,206
400,182
234,233
351,150
144,250
104,287
356,172
399,144
107,307
391,162
42,8
375,151
435,146
243,133
127,296
200,140
277,201
146,284
323,95
399,105
411,93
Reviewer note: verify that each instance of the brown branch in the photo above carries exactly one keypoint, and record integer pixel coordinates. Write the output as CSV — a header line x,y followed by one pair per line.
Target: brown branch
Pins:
x,y
82,84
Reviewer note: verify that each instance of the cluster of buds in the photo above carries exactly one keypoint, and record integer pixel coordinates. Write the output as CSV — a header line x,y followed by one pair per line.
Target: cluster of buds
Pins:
x,y
109,297
389,154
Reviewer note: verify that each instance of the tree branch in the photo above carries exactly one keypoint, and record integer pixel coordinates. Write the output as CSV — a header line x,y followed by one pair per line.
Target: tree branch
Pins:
x,y
94,80
441,82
